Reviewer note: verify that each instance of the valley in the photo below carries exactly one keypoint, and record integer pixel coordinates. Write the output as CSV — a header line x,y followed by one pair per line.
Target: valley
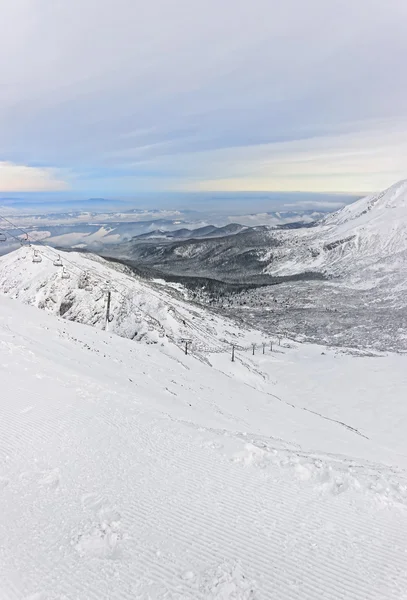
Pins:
x,y
340,281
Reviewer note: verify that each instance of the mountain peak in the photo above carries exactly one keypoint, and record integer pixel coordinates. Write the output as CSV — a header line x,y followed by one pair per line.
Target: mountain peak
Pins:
x,y
370,207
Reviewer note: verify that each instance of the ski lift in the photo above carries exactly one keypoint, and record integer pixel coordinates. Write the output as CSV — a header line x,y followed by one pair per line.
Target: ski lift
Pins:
x,y
65,273
3,237
58,262
37,257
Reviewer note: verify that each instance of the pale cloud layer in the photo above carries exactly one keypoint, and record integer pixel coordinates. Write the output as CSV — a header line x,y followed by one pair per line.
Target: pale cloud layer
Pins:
x,y
128,95
29,179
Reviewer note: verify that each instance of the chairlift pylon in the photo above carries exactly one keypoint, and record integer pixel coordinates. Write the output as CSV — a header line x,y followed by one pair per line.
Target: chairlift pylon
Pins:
x,y
58,262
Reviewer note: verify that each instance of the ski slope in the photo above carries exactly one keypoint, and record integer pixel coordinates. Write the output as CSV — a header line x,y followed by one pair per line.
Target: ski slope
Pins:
x,y
132,471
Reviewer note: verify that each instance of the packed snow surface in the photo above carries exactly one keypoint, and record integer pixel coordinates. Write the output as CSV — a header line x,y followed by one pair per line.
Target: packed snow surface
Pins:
x,y
133,471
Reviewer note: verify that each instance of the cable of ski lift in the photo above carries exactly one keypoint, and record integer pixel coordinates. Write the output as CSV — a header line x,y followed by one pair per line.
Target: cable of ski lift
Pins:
x,y
57,261
37,257
7,233
38,242
50,249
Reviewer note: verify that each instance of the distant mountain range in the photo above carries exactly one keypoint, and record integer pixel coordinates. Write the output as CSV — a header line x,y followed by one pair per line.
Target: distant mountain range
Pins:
x,y
342,280
97,231
365,241
209,231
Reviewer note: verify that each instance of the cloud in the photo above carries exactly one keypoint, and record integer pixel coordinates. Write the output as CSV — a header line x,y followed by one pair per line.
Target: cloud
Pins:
x,y
131,94
360,161
20,178
321,205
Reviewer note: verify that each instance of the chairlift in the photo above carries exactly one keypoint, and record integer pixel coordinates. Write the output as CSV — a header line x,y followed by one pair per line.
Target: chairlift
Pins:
x,y
58,262
3,237
37,258
65,273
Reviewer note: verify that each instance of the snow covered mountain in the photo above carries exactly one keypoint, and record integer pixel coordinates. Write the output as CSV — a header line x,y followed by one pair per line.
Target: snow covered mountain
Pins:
x,y
209,231
346,282
342,281
132,472
393,198
76,288
364,242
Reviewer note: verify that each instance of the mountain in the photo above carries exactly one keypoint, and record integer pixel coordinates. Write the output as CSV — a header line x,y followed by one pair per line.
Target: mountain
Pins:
x,y
151,311
97,230
342,281
395,197
364,242
231,257
282,217
93,233
131,471
209,231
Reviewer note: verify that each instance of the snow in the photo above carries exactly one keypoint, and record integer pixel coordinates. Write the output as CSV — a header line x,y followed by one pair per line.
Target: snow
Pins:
x,y
394,198
140,310
132,471
364,243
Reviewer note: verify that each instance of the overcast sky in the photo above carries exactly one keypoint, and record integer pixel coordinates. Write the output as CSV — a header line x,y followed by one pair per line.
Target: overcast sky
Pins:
x,y
126,96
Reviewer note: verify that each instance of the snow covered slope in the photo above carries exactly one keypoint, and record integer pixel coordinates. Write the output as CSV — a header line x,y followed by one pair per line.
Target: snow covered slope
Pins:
x,y
364,243
373,210
135,472
140,310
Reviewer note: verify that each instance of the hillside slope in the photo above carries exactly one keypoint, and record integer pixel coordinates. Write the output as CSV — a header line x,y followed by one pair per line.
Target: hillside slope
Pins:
x,y
134,472
364,243
230,257
140,310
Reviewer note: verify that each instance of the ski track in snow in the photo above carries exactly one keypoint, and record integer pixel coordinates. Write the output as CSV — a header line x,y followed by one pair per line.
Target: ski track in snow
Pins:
x,y
113,488
341,423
